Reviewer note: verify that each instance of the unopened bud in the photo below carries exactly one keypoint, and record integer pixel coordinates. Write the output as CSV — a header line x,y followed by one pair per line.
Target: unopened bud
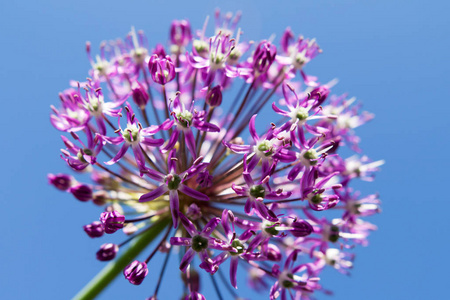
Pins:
x,y
214,96
107,252
82,192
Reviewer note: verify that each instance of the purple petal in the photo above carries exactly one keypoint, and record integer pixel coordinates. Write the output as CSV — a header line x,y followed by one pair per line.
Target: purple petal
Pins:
x,y
119,155
253,163
152,142
187,258
263,211
255,242
219,245
285,156
114,140
192,193
190,228
210,226
174,207
154,174
139,156
204,126
248,206
246,235
251,127
278,196
101,125
154,194
180,241
172,140
233,271
171,163
248,179
293,173
279,111
238,148
224,222
190,143
221,258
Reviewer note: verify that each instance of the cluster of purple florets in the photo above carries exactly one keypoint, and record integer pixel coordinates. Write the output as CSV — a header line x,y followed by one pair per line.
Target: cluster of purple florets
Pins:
x,y
163,133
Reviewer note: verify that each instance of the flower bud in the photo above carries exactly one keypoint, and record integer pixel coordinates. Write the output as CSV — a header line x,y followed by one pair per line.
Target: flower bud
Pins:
x,y
99,198
140,95
135,272
162,70
82,192
95,229
273,253
301,228
60,181
107,252
214,96
264,56
204,179
194,212
180,33
320,93
112,221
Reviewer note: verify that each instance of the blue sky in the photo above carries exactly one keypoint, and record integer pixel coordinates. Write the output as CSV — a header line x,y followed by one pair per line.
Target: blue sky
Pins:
x,y
391,55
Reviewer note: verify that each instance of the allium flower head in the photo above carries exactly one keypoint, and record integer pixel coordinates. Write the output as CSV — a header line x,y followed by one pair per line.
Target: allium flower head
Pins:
x,y
247,175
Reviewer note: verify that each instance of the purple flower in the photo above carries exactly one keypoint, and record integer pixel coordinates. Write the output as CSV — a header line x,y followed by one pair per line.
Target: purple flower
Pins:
x,y
112,221
180,33
79,158
136,137
199,242
173,183
263,57
184,121
290,281
256,192
94,102
214,60
299,52
162,70
70,117
136,272
266,148
276,199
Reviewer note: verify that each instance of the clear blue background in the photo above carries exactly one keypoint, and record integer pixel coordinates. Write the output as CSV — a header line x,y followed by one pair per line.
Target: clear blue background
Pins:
x,y
392,55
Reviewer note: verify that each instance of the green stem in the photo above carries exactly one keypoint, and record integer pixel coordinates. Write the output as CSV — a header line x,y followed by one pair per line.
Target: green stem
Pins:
x,y
114,268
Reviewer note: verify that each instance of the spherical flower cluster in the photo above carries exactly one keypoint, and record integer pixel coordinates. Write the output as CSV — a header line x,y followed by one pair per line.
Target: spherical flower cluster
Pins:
x,y
241,174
